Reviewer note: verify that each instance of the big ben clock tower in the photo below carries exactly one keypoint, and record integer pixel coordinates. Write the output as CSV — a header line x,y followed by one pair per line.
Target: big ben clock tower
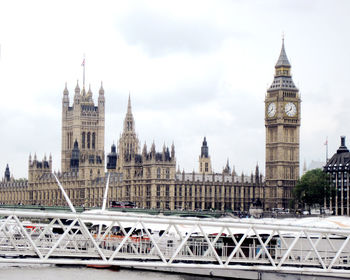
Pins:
x,y
282,122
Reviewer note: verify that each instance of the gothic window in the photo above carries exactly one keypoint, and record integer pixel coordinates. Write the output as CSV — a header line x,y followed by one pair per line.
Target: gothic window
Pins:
x,y
88,140
167,191
167,173
93,140
206,167
83,140
158,173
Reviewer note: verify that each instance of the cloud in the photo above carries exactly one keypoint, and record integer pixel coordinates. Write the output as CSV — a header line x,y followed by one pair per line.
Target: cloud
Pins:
x,y
160,34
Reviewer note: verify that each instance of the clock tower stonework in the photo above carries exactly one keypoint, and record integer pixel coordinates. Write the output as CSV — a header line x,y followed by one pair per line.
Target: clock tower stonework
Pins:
x,y
282,123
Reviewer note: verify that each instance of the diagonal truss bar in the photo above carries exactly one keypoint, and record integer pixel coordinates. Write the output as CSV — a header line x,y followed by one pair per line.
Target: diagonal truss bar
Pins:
x,y
316,243
107,232
161,255
53,248
265,249
6,221
214,241
125,233
238,246
266,242
4,229
235,241
162,237
28,237
71,240
285,244
315,250
87,234
286,254
126,237
339,252
181,238
330,243
210,245
183,242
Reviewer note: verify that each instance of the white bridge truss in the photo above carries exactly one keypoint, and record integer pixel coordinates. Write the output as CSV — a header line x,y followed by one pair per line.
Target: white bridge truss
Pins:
x,y
185,242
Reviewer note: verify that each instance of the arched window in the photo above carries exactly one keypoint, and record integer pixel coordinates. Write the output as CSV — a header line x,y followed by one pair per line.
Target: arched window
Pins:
x,y
88,140
93,140
158,173
83,140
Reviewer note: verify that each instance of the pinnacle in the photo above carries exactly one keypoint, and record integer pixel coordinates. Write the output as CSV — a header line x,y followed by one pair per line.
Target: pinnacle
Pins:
x,y
283,59
129,104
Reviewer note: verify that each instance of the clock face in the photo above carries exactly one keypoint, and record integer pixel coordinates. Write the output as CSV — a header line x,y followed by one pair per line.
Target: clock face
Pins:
x,y
290,109
271,109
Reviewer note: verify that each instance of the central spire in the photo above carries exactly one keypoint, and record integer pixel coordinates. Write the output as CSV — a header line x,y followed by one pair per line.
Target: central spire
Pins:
x,y
283,59
129,105
129,119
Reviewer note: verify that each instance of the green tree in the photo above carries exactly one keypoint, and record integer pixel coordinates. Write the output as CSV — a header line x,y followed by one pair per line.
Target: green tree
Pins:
x,y
312,188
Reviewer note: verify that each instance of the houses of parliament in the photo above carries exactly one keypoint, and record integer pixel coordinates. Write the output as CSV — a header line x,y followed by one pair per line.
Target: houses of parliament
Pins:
x,y
147,176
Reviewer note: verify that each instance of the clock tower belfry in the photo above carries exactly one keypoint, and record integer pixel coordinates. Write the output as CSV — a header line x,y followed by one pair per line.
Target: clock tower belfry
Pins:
x,y
282,122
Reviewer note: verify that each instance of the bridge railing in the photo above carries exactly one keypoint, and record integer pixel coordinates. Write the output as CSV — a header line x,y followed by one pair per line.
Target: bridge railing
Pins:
x,y
65,238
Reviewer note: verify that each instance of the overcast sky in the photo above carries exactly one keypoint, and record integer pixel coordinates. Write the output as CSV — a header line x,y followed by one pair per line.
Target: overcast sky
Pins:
x,y
194,69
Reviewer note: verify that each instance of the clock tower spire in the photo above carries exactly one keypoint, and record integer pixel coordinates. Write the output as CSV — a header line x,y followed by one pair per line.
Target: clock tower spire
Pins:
x,y
282,123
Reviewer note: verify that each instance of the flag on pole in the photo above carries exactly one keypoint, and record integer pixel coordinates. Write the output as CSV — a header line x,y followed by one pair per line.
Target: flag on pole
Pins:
x,y
326,143
83,63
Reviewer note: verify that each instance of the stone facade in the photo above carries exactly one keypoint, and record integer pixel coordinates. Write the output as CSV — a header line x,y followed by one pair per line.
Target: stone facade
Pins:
x,y
148,179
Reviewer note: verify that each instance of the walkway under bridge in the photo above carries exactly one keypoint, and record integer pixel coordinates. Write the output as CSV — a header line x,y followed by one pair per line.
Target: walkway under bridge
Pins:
x,y
173,243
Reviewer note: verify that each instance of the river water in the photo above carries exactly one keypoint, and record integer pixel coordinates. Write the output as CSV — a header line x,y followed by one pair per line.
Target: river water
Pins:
x,y
51,272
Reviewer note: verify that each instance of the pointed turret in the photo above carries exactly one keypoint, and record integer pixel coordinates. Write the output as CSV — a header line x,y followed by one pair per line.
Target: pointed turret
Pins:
x,y
233,171
204,159
101,97
77,93
65,99
227,168
204,149
283,59
172,151
153,148
101,91
77,88
89,93
283,77
7,173
144,150
129,119
128,142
